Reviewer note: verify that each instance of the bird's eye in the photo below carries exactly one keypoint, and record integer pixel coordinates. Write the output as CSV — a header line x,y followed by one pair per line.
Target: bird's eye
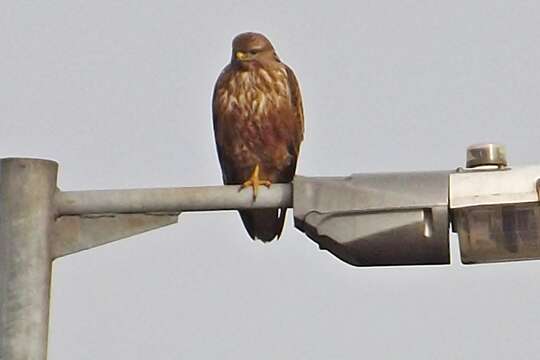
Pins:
x,y
253,52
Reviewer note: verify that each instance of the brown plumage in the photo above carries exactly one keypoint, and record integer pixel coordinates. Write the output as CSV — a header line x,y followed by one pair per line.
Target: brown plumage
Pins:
x,y
258,124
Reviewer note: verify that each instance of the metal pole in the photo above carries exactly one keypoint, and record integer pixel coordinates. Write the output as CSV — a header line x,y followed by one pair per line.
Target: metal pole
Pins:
x,y
171,199
27,187
36,227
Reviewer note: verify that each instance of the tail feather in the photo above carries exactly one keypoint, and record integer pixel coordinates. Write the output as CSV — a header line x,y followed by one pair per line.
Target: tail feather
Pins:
x,y
264,224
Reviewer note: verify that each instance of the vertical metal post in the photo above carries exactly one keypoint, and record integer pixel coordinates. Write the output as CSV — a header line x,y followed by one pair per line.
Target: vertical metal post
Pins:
x,y
27,188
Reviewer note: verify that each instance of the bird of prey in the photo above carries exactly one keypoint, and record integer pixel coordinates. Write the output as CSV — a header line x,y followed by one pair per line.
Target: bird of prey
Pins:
x,y
258,126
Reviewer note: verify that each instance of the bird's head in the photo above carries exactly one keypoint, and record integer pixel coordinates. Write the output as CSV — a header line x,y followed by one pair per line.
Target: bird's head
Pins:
x,y
249,48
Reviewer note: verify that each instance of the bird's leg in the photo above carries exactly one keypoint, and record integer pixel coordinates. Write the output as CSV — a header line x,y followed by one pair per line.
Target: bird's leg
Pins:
x,y
254,181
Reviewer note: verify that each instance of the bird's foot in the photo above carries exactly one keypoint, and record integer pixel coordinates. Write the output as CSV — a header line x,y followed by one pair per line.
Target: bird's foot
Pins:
x,y
254,182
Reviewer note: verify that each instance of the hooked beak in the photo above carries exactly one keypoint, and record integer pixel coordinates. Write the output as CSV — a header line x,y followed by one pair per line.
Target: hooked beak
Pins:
x,y
240,55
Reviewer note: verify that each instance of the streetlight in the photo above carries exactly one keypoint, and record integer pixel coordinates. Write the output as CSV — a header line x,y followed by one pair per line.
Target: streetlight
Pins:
x,y
365,220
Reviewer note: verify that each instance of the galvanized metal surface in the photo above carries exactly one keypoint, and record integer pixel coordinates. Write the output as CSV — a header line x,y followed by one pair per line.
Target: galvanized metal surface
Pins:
x,y
171,199
27,187
377,219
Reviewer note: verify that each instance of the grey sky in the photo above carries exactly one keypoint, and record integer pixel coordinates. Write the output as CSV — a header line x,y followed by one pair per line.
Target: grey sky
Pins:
x,y
119,94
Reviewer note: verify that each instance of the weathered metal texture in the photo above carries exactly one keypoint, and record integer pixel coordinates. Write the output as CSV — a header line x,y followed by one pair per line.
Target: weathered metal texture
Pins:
x,y
171,199
377,219
27,187
76,233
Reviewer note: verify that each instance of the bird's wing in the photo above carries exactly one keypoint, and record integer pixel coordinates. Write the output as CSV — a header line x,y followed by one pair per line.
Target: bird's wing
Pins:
x,y
296,100
218,120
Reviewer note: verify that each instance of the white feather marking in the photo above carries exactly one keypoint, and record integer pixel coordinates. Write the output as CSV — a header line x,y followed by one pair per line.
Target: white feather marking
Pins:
x,y
262,105
254,92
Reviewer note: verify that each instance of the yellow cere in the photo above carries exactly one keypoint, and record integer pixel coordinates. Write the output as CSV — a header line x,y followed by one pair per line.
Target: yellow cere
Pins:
x,y
241,55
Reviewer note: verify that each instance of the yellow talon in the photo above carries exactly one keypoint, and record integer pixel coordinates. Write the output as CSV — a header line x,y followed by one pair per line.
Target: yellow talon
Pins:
x,y
254,181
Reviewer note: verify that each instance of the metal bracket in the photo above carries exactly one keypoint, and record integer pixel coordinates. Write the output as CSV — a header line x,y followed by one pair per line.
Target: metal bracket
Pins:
x,y
75,233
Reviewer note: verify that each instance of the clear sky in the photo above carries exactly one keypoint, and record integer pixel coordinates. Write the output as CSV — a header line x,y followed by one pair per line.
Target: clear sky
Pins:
x,y
119,94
